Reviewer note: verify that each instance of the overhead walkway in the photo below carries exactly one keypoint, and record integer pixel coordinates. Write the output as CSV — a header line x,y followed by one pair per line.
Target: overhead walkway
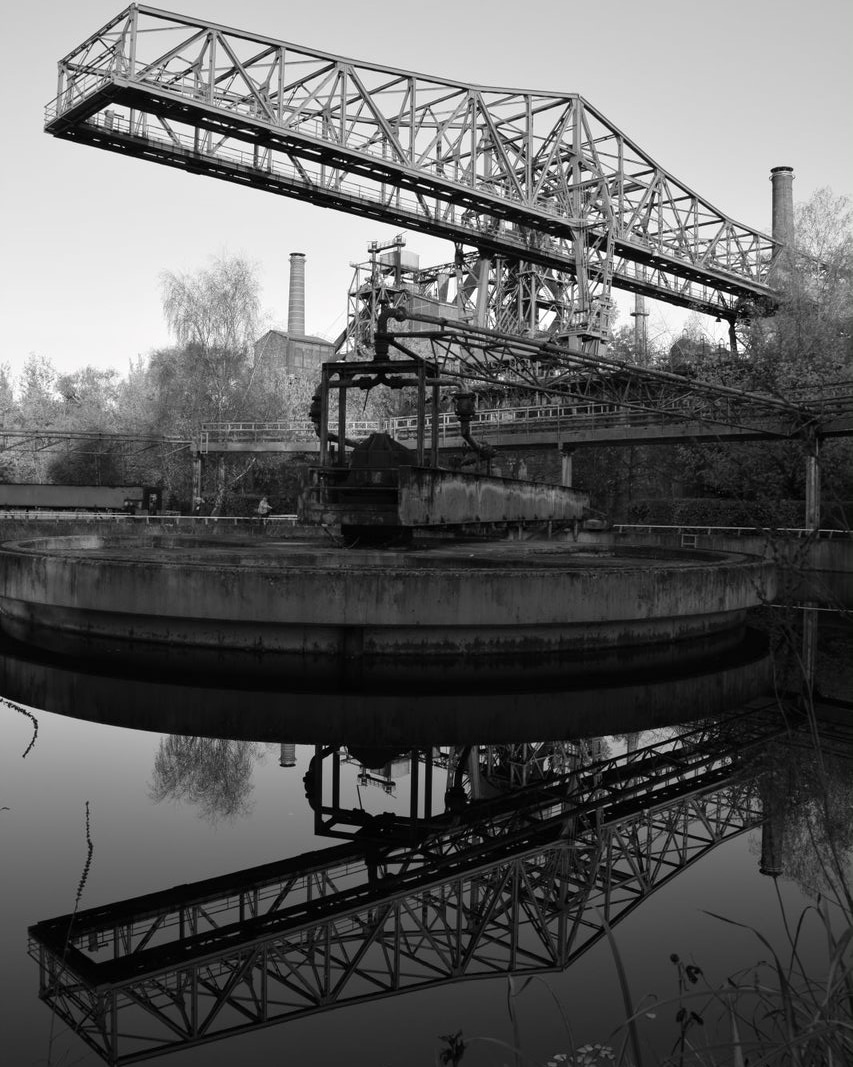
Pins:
x,y
525,174
509,428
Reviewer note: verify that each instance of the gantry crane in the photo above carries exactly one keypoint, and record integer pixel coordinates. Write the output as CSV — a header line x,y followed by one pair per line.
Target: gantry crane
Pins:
x,y
558,204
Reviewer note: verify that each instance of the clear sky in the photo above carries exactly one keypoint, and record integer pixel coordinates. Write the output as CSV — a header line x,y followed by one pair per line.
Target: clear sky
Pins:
x,y
717,93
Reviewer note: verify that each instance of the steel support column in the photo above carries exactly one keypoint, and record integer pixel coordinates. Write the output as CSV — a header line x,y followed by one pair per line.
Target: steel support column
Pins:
x,y
566,455
813,483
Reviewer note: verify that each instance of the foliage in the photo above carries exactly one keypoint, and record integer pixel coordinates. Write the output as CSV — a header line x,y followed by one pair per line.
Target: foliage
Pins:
x,y
213,374
37,405
806,344
715,511
39,402
793,1007
99,464
281,482
89,400
773,1013
625,345
214,773
811,797
7,395
615,476
801,352
214,315
216,310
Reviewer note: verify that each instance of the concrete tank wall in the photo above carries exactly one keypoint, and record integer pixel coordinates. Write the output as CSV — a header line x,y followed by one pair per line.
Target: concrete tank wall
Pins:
x,y
810,568
465,597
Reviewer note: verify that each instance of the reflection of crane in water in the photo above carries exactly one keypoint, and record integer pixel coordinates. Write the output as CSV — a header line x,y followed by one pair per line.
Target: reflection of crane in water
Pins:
x,y
516,883
471,773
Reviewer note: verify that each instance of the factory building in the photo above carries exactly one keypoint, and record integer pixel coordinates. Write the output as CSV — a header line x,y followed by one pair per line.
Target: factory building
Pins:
x,y
292,351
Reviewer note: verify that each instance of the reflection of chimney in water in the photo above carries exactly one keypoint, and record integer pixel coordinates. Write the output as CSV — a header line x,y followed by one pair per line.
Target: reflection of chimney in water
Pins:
x,y
296,301
771,846
287,755
773,827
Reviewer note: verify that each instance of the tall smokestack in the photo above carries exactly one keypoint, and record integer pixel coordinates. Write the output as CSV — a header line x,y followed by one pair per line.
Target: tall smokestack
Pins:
x,y
296,301
641,337
783,206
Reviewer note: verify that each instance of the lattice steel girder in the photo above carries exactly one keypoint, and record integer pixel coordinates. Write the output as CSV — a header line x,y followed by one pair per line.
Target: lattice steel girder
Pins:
x,y
514,296
527,174
514,891
681,761
528,912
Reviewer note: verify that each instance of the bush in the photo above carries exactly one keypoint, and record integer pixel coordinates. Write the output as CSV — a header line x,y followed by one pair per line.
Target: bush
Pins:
x,y
714,511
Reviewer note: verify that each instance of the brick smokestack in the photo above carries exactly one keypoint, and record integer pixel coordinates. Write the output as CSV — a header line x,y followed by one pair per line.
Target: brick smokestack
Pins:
x,y
783,204
296,300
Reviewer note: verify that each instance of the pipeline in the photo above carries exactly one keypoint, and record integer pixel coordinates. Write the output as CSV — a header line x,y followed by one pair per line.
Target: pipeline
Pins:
x,y
464,409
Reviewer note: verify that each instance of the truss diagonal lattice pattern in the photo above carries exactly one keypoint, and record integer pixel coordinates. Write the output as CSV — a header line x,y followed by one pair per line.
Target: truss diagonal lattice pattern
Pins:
x,y
519,884
528,176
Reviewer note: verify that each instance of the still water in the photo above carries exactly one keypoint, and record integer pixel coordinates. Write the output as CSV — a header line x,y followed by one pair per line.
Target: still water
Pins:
x,y
401,882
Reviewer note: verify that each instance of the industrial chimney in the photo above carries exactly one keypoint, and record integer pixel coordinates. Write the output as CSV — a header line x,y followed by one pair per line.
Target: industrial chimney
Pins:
x,y
296,301
783,204
783,209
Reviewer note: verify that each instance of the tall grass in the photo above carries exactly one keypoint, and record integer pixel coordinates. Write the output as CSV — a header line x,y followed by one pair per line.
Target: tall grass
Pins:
x,y
773,1013
778,1012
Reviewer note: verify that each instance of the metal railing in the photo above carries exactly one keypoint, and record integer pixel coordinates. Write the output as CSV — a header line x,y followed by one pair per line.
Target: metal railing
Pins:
x,y
403,427
123,519
406,425
320,176
730,531
291,427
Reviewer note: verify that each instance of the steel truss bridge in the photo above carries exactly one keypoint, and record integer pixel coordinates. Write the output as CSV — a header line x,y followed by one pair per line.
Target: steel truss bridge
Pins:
x,y
513,428
593,399
558,203
520,884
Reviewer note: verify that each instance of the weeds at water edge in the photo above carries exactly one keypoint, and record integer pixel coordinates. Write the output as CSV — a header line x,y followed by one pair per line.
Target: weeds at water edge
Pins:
x,y
770,1014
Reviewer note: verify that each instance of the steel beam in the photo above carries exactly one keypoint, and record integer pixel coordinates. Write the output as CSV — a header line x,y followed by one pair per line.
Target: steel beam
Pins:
x,y
535,177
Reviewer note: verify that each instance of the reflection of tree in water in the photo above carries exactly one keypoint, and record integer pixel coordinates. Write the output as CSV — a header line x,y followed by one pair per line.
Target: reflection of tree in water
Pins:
x,y
214,773
808,796
807,790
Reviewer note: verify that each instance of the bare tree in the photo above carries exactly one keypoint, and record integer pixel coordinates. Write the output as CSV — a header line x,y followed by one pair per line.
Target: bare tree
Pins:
x,y
214,315
217,308
214,773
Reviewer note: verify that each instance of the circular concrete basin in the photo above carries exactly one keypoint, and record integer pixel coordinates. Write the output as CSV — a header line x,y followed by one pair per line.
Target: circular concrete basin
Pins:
x,y
397,607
